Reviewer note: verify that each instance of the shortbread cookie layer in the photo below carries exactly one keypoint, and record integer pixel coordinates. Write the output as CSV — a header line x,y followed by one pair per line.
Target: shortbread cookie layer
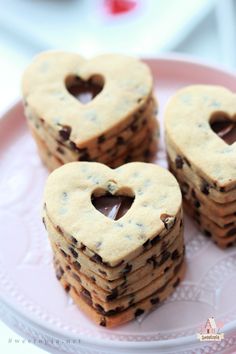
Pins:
x,y
126,300
99,130
99,146
222,238
209,188
127,284
68,204
135,310
121,147
150,251
203,204
187,123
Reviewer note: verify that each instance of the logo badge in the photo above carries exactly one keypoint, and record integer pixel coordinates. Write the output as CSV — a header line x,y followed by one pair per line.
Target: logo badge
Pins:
x,y
211,331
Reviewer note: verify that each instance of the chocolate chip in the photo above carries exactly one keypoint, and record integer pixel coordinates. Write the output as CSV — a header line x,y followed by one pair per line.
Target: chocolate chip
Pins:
x,y
230,244
76,277
176,283
101,139
166,269
93,279
73,146
113,295
82,247
155,300
44,222
120,140
86,295
166,255
73,239
196,203
73,252
134,127
231,232
59,273
207,233
67,288
155,240
77,265
127,269
152,260
96,258
175,255
63,252
102,272
205,188
100,309
65,132
59,229
60,150
168,221
222,189
103,322
98,245
138,312
179,162
68,267
84,157
146,153
228,225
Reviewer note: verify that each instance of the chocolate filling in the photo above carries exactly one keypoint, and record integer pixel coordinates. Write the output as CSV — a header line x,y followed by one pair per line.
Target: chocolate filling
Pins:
x,y
84,91
224,127
112,206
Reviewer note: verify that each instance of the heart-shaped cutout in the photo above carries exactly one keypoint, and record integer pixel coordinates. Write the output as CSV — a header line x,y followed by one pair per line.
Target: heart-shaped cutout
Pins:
x,y
116,88
112,206
224,127
192,142
84,91
156,205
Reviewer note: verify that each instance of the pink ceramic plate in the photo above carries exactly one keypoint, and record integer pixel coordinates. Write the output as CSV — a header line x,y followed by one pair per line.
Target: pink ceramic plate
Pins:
x,y
32,300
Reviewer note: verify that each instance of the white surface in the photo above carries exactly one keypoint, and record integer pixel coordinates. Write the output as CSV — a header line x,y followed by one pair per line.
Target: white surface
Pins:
x,y
12,343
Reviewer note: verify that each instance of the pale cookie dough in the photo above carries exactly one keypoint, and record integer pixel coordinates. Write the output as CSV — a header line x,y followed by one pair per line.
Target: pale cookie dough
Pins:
x,y
135,310
125,301
121,147
150,253
187,128
223,238
202,203
100,145
68,204
208,188
186,185
151,272
127,86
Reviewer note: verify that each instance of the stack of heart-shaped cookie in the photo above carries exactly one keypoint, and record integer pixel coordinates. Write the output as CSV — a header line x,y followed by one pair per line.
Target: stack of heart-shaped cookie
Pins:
x,y
115,270
199,125
117,125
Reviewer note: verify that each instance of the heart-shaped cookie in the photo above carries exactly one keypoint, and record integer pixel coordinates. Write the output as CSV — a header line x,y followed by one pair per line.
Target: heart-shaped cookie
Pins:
x,y
120,103
199,126
101,260
157,200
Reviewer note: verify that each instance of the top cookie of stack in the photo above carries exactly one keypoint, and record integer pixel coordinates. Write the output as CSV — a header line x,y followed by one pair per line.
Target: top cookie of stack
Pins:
x,y
116,126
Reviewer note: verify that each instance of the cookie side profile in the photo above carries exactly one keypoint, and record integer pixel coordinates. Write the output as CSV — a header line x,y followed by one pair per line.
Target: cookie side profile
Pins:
x,y
198,123
115,269
102,129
